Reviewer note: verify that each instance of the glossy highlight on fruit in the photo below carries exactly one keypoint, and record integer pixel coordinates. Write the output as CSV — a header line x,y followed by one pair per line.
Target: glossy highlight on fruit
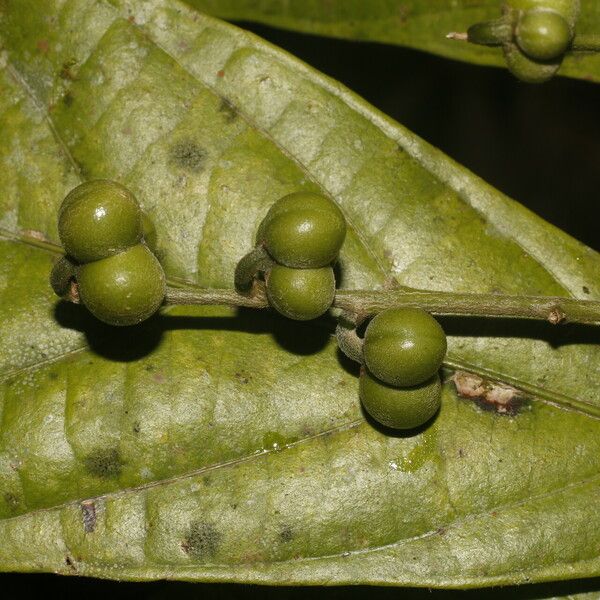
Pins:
x,y
543,34
98,219
303,230
124,289
400,407
404,346
300,294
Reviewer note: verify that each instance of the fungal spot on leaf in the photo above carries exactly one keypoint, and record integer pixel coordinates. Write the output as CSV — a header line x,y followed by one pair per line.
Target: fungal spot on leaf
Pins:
x,y
188,155
243,377
105,463
586,289
228,110
68,99
489,395
286,534
88,514
202,541
66,71
69,562
136,427
11,500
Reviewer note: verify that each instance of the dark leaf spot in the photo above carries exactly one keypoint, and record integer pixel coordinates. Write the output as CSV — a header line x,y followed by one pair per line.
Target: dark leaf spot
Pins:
x,y
136,427
68,99
228,110
286,534
202,541
88,514
12,500
586,289
243,377
66,71
104,463
188,155
69,562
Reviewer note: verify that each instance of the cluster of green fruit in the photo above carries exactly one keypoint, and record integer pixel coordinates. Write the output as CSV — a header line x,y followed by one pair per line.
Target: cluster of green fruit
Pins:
x,y
402,352
302,234
403,348
105,235
535,35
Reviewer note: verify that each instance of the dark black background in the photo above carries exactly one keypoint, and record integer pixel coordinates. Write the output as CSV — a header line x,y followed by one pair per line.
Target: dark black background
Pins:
x,y
538,144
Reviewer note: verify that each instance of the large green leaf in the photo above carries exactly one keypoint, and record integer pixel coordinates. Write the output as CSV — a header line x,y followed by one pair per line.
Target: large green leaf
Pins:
x,y
210,444
420,24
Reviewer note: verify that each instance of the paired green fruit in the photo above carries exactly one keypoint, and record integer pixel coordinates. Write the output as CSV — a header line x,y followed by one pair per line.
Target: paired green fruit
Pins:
x,y
300,294
303,230
119,279
404,346
124,289
400,407
98,219
296,244
543,34
535,35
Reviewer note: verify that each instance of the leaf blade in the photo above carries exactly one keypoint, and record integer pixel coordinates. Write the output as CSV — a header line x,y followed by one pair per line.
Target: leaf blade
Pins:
x,y
214,395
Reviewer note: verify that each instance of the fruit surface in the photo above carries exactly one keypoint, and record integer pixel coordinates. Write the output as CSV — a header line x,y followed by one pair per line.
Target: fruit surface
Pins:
x,y
98,219
543,34
300,294
400,407
124,289
404,346
303,230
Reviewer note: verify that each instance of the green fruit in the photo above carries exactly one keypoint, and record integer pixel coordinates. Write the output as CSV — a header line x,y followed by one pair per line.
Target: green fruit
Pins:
x,y
98,219
543,34
124,289
404,346
303,230
149,232
527,69
400,407
300,294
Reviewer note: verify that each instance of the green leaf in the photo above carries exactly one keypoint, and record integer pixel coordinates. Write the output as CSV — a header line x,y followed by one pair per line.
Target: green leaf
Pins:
x,y
216,445
419,24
